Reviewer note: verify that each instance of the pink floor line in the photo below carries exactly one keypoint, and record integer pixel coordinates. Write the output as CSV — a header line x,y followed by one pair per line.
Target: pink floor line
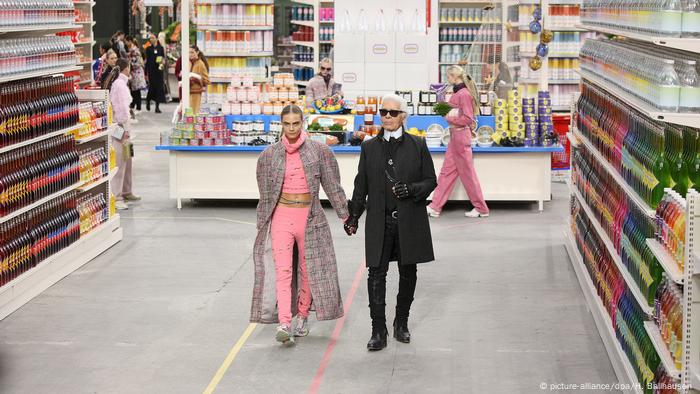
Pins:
x,y
336,332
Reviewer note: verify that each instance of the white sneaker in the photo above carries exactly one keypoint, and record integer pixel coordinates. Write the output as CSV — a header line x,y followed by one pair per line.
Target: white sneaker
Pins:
x,y
121,205
302,327
432,212
475,214
284,335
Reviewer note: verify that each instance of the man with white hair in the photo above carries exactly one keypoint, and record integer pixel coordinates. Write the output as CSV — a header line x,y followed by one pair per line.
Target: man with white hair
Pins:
x,y
394,178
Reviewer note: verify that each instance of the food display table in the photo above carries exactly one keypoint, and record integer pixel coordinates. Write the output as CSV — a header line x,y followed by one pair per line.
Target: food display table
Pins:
x,y
228,172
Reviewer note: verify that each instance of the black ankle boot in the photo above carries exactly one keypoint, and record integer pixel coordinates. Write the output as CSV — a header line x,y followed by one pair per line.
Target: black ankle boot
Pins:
x,y
158,111
401,332
378,339
148,105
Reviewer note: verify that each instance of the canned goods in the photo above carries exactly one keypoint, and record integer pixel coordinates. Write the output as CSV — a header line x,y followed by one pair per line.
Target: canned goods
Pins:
x,y
194,142
207,142
200,127
189,119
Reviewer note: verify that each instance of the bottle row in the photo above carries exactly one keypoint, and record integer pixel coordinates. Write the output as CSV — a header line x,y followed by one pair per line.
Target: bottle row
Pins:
x,y
35,107
22,55
562,95
94,164
667,18
235,14
304,33
475,15
225,67
94,117
563,43
326,14
649,155
93,210
235,41
33,172
302,13
36,12
668,315
670,226
30,238
326,34
472,53
558,68
625,225
626,318
303,54
489,33
666,79
559,15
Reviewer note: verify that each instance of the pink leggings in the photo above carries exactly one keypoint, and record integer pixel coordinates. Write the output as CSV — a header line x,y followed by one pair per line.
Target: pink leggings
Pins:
x,y
288,225
459,163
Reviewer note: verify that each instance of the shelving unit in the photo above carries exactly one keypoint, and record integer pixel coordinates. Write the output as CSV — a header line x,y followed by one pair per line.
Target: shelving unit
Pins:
x,y
320,47
253,37
688,375
86,7
55,267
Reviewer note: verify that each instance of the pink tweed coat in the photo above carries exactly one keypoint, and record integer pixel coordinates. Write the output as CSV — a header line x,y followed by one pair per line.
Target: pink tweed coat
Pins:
x,y
321,169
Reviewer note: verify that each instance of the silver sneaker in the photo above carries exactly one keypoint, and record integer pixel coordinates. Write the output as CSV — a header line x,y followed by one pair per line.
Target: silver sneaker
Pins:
x,y
284,335
302,327
475,214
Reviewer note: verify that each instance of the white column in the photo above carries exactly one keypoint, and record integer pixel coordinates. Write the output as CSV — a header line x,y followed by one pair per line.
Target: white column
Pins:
x,y
185,51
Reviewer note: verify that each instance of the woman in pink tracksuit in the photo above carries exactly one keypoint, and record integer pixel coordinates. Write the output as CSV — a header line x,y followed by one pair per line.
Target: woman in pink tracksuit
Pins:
x,y
290,174
459,161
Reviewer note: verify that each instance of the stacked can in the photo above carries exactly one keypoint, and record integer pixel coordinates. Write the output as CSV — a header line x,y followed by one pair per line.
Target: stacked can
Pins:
x,y
544,113
532,127
516,126
501,115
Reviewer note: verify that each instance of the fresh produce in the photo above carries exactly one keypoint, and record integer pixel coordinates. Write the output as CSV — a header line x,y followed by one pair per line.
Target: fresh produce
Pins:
x,y
442,108
332,104
416,132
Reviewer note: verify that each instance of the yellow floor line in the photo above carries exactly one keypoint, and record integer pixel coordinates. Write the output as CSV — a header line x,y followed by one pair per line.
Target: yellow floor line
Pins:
x,y
229,359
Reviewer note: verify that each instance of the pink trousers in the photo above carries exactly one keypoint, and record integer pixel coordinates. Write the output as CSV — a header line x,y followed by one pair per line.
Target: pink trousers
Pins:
x,y
459,162
288,226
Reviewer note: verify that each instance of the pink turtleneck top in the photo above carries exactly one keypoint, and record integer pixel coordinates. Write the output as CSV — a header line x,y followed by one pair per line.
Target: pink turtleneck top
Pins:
x,y
294,176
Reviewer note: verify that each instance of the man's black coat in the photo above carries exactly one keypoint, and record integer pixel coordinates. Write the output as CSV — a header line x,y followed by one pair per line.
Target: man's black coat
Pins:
x,y
414,166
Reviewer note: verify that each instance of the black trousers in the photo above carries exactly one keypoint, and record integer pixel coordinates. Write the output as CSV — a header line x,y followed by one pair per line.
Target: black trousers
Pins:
x,y
376,280
136,99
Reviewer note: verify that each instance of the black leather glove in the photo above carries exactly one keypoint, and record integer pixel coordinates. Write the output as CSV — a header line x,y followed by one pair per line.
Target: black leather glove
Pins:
x,y
351,225
403,190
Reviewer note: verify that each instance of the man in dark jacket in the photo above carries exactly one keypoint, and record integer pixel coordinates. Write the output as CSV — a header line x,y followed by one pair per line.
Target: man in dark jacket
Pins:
x,y
394,178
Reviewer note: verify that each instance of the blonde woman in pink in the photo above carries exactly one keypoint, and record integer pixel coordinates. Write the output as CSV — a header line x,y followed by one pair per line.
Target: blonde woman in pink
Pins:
x,y
459,162
292,228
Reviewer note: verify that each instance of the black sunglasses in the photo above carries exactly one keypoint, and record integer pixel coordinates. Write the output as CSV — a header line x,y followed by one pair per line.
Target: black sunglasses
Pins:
x,y
393,112
326,69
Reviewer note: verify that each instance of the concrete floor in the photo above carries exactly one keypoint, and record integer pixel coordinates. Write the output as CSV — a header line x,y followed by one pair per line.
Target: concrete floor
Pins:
x,y
500,311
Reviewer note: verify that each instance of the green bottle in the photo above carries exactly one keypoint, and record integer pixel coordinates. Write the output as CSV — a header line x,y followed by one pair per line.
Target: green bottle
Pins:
x,y
660,168
679,164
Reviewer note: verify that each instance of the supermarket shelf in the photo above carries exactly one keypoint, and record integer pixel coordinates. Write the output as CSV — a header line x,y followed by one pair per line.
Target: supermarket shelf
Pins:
x,y
685,44
303,64
85,82
91,185
631,285
56,267
666,261
85,62
40,73
468,23
327,22
95,136
326,42
307,2
661,348
526,27
85,43
43,29
91,23
572,139
470,42
237,2
468,63
554,55
687,119
618,358
228,79
233,28
84,2
553,81
631,194
469,2
302,83
239,54
311,44
558,2
561,108
40,138
304,23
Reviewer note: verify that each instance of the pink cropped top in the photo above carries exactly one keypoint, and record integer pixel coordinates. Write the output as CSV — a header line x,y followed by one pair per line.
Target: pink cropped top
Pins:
x,y
294,176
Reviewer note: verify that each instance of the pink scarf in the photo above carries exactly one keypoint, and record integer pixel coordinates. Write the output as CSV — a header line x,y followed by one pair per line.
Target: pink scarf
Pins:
x,y
291,148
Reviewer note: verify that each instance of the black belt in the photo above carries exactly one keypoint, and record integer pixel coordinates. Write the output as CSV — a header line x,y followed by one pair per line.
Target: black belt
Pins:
x,y
393,214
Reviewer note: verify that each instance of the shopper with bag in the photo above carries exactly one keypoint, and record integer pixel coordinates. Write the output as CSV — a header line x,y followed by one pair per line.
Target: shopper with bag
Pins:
x,y
155,63
138,74
394,177
459,161
120,96
294,239
199,77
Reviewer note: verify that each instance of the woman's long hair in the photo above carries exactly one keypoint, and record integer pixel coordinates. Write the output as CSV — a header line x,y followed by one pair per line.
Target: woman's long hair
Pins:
x,y
201,56
121,65
459,72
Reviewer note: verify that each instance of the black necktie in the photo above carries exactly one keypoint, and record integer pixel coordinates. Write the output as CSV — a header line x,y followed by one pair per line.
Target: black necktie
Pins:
x,y
392,140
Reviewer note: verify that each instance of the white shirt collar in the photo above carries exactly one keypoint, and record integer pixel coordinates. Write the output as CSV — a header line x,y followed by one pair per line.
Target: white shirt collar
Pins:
x,y
396,133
